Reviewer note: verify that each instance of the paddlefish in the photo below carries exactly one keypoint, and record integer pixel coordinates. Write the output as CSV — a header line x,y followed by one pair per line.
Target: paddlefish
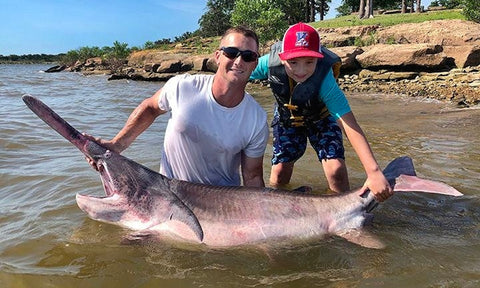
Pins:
x,y
149,203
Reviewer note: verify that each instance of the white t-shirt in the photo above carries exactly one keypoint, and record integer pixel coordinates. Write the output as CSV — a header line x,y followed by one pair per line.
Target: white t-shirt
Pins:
x,y
204,140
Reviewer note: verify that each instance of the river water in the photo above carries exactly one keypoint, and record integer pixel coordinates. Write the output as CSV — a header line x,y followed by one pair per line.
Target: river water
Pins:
x,y
47,241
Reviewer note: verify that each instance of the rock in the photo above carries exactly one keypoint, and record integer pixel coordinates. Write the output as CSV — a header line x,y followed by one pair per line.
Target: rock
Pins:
x,y
437,32
345,36
92,62
348,55
57,68
199,63
169,66
384,75
461,86
405,57
211,65
464,56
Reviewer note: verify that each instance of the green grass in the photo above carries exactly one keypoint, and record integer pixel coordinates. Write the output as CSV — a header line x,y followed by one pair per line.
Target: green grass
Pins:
x,y
390,19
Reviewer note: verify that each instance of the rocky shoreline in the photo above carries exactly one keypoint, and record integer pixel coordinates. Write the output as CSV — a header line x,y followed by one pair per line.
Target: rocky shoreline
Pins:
x,y
435,59
458,86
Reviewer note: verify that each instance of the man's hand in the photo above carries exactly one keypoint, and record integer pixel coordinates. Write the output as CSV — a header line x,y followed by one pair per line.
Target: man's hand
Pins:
x,y
105,143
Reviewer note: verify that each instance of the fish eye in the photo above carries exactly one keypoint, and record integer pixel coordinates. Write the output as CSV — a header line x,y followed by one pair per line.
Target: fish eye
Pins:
x,y
107,154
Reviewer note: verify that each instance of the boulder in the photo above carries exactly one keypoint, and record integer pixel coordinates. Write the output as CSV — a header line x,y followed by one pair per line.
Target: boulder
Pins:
x,y
56,68
348,55
464,56
344,36
405,57
169,66
93,62
439,32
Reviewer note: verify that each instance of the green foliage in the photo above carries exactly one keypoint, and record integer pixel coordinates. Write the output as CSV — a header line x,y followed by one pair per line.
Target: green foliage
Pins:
x,y
472,10
185,36
114,56
159,44
29,58
217,18
391,19
294,10
81,54
371,39
450,4
262,16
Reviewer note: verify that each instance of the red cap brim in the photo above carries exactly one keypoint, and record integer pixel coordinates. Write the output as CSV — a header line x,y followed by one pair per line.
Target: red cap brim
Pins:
x,y
299,53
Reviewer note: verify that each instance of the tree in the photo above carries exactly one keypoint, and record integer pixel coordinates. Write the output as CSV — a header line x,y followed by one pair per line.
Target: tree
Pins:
x,y
217,18
323,8
312,7
472,10
348,6
361,9
419,6
451,4
262,16
294,10
366,9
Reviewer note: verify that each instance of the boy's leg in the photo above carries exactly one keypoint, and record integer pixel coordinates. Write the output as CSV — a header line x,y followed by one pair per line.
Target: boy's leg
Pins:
x,y
281,174
289,144
336,174
326,138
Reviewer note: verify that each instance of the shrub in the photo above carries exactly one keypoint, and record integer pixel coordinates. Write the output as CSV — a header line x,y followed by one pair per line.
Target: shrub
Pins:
x,y
472,10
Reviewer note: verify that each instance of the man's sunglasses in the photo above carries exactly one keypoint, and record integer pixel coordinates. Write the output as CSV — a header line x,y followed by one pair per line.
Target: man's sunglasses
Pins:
x,y
232,53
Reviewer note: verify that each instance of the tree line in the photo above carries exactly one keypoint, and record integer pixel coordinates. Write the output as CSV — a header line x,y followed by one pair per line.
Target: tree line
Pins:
x,y
269,18
30,58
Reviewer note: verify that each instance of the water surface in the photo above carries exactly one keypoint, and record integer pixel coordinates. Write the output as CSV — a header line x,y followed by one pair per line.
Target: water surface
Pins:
x,y
47,241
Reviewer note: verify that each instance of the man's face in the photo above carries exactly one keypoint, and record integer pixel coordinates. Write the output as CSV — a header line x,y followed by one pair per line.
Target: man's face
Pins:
x,y
236,69
301,68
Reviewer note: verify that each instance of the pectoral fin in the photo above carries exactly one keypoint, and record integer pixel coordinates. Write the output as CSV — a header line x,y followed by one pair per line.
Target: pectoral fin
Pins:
x,y
183,214
362,238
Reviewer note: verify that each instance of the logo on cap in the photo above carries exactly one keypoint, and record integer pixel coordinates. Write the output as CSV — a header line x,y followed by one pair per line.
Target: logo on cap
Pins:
x,y
302,39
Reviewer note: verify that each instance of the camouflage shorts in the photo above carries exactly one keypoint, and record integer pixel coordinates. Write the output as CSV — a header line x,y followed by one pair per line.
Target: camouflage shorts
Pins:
x,y
289,143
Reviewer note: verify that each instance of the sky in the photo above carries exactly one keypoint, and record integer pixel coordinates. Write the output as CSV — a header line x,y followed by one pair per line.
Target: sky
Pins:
x,y
58,26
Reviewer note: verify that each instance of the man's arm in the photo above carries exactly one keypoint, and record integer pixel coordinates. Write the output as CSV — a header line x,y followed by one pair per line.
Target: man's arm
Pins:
x,y
252,171
140,119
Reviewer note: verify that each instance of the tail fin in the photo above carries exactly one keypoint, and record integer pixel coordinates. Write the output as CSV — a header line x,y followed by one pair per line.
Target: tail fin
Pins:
x,y
401,174
400,165
407,183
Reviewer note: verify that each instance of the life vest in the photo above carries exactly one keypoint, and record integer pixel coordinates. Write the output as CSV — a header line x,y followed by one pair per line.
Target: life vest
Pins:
x,y
299,104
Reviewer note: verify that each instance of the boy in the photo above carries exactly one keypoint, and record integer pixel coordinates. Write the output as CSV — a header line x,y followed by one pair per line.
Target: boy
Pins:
x,y
309,104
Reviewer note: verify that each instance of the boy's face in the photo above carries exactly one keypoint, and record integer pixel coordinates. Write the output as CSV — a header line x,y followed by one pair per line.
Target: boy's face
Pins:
x,y
300,69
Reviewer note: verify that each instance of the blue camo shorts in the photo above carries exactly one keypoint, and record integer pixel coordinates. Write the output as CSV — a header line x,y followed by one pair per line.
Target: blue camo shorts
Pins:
x,y
290,143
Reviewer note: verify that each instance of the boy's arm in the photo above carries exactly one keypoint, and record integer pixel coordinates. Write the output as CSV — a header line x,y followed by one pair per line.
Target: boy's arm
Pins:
x,y
261,71
376,181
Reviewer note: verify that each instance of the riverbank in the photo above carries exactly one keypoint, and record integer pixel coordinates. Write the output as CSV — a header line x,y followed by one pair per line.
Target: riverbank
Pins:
x,y
459,86
437,59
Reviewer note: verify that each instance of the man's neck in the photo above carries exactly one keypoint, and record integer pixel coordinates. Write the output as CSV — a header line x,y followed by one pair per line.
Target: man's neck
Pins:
x,y
227,95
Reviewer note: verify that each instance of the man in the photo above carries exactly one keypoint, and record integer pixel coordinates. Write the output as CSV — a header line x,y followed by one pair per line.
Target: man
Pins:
x,y
215,128
311,105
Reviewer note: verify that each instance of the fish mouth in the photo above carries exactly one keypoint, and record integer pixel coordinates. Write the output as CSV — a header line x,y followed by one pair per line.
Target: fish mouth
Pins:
x,y
108,183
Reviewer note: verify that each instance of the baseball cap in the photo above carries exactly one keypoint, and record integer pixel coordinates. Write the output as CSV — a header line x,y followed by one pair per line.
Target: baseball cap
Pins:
x,y
300,40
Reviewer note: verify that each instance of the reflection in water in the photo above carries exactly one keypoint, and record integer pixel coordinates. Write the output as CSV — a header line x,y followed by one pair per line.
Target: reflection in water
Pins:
x,y
432,240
